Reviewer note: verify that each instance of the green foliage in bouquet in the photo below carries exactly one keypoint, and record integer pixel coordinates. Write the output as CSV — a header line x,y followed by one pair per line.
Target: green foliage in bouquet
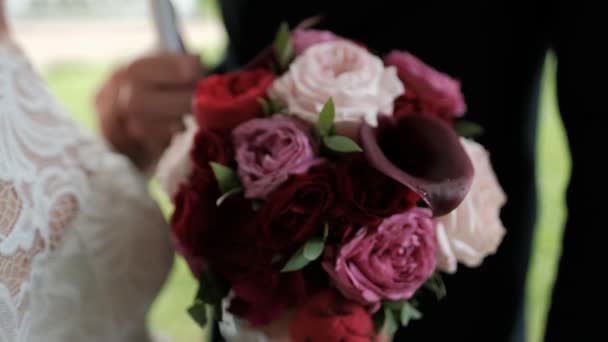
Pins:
x,y
394,314
270,106
468,129
283,46
211,292
227,180
326,129
308,253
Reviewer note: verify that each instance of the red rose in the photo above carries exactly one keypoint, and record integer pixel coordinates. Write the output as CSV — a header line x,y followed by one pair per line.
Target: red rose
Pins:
x,y
222,102
263,296
231,246
205,234
220,238
329,317
367,196
297,210
427,91
194,214
211,146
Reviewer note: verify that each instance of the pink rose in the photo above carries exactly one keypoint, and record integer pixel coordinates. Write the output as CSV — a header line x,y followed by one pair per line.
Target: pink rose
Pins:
x,y
269,150
427,91
359,83
387,263
303,39
473,230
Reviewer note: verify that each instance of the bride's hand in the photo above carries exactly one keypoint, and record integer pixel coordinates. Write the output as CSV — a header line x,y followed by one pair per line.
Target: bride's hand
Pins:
x,y
141,105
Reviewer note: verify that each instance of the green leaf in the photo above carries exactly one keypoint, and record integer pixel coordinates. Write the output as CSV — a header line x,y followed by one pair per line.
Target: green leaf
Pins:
x,y
211,289
326,118
265,105
390,322
468,129
395,305
270,106
276,106
283,46
379,318
409,313
225,176
313,249
341,144
297,262
198,312
436,285
228,194
256,205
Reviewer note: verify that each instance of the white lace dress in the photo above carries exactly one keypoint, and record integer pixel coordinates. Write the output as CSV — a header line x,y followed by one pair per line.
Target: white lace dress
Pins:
x,y
83,249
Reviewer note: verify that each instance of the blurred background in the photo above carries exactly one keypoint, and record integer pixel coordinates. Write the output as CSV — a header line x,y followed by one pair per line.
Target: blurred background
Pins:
x,y
74,62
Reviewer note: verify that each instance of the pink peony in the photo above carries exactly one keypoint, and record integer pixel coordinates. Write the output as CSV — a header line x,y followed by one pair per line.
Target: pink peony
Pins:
x,y
269,150
303,39
361,87
427,91
387,263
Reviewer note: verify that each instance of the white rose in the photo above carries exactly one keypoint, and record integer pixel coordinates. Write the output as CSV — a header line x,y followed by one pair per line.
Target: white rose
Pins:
x,y
474,229
358,82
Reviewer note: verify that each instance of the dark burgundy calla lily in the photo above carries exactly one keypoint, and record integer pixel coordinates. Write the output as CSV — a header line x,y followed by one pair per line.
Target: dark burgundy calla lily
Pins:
x,y
424,154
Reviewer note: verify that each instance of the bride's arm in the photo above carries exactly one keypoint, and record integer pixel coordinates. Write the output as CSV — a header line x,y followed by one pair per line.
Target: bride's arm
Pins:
x,y
141,105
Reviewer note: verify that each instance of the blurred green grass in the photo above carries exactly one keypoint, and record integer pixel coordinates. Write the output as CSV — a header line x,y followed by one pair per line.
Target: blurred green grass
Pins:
x,y
553,173
75,86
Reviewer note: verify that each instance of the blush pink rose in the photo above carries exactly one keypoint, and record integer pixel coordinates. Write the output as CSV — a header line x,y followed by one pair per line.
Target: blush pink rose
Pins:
x,y
361,86
387,263
303,39
427,91
473,230
269,150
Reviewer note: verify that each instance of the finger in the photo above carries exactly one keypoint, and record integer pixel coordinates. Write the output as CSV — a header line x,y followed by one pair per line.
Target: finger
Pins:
x,y
155,104
106,95
166,69
160,139
153,134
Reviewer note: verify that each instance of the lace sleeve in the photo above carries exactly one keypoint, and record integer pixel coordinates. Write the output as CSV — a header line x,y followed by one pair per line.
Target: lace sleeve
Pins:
x,y
83,248
40,186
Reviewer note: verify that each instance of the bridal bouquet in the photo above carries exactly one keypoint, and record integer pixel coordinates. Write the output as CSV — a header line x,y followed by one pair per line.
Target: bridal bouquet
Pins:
x,y
326,190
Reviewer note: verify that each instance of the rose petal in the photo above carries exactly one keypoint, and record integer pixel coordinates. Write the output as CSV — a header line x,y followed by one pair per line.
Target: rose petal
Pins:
x,y
424,154
303,39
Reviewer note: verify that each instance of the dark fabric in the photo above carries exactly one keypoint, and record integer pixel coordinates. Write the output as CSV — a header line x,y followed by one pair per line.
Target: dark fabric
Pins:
x,y
497,49
579,300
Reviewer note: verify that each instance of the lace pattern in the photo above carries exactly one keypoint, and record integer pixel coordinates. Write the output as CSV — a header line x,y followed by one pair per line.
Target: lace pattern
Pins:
x,y
78,233
38,197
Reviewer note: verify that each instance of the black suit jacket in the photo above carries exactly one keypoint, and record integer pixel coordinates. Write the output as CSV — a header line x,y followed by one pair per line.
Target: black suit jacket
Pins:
x,y
497,50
